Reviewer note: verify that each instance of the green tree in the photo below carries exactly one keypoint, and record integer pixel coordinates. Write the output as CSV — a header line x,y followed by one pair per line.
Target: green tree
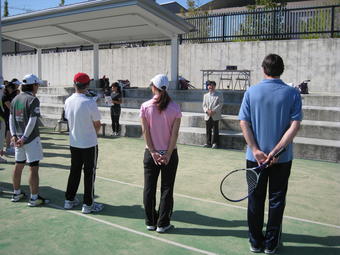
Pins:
x,y
202,24
6,13
62,3
264,25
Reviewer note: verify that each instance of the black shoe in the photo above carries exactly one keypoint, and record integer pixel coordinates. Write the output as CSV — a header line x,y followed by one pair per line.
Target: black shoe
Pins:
x,y
207,145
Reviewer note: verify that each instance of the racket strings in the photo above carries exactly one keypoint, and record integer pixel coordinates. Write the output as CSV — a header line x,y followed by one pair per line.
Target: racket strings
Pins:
x,y
237,185
251,180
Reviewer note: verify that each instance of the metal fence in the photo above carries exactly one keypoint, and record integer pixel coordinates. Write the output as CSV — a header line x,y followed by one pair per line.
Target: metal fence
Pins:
x,y
259,24
267,24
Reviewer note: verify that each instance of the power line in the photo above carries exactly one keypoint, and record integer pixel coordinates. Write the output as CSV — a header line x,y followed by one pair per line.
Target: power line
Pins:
x,y
20,9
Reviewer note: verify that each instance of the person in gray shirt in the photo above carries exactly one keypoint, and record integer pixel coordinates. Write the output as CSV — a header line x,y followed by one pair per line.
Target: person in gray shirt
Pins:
x,y
24,128
212,107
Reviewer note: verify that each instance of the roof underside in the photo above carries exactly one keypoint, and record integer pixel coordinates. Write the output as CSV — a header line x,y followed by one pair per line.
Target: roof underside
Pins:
x,y
94,22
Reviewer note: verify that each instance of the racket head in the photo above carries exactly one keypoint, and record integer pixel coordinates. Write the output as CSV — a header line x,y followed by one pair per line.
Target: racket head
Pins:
x,y
238,184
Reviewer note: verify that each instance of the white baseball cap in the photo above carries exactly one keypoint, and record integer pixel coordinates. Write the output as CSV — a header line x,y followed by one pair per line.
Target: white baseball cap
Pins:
x,y
31,79
160,81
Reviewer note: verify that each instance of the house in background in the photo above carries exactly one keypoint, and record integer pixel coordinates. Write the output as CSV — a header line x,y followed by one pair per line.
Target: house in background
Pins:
x,y
173,7
218,6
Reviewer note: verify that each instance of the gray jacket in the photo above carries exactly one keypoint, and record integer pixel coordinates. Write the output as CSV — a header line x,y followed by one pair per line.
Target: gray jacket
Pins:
x,y
213,101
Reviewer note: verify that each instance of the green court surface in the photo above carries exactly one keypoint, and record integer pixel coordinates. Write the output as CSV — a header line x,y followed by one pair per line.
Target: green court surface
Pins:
x,y
204,222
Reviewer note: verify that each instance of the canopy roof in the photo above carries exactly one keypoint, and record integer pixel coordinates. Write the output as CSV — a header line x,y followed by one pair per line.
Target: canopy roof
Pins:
x,y
94,22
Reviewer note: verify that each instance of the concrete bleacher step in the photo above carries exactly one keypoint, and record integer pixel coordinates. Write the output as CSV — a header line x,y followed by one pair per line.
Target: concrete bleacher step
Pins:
x,y
318,138
306,148
317,149
309,128
321,100
321,113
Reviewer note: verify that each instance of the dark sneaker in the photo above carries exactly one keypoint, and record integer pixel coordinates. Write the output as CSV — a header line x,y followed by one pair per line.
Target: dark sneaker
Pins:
x,y
207,145
164,229
255,249
39,201
16,198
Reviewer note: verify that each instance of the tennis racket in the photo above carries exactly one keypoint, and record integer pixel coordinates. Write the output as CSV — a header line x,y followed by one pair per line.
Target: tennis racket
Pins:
x,y
239,184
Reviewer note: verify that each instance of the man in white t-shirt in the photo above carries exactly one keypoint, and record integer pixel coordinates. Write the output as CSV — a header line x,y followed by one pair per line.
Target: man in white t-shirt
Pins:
x,y
84,123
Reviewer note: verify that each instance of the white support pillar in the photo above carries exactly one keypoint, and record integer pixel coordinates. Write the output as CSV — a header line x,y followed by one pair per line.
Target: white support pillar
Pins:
x,y
174,62
39,64
96,61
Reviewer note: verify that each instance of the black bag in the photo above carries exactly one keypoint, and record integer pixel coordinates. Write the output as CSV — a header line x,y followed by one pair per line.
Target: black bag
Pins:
x,y
303,87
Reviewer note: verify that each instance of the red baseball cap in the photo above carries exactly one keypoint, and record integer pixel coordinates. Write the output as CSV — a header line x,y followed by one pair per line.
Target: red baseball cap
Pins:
x,y
82,78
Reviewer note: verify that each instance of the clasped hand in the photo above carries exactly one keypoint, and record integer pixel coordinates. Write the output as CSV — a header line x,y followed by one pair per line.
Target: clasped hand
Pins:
x,y
263,158
160,159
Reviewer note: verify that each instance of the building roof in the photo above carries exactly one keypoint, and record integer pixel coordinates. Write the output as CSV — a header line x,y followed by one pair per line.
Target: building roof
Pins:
x,y
94,22
174,7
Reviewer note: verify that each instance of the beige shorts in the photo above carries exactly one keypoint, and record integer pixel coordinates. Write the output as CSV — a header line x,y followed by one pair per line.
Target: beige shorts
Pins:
x,y
30,152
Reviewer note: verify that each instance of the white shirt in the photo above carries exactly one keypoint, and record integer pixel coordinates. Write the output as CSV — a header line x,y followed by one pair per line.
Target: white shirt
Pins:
x,y
81,111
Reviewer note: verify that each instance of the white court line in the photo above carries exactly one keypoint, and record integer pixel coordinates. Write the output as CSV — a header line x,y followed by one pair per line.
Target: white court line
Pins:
x,y
222,204
218,203
190,248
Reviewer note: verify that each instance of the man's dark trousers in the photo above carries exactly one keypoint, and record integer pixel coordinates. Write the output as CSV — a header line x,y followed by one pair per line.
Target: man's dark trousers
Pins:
x,y
277,175
212,124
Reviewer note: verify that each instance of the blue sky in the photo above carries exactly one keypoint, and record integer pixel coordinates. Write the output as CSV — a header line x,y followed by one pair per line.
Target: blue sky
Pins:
x,y
17,5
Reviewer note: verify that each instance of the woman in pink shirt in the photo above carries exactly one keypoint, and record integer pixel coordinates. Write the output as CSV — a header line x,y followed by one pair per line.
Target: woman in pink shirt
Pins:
x,y
161,118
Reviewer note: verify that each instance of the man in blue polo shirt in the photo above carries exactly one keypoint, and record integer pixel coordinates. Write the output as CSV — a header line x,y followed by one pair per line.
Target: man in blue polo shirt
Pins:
x,y
270,117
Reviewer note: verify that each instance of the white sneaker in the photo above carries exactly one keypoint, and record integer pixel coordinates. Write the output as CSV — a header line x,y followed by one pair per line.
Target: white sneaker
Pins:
x,y
18,197
39,201
95,207
151,228
69,204
164,229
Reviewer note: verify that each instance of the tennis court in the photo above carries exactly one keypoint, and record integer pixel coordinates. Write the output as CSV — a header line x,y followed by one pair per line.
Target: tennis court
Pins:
x,y
204,222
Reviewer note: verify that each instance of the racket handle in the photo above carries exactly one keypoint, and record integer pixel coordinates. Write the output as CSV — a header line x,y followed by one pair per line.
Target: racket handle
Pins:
x,y
277,154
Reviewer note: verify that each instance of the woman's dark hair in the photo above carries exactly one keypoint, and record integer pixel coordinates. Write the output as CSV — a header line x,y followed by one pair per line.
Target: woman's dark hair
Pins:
x,y
27,88
273,65
163,100
10,85
116,84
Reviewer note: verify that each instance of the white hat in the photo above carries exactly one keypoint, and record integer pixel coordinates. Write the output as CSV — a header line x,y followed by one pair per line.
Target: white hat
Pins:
x,y
31,79
160,81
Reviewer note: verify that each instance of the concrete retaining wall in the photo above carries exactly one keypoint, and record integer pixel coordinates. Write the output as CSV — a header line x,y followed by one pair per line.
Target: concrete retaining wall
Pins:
x,y
316,59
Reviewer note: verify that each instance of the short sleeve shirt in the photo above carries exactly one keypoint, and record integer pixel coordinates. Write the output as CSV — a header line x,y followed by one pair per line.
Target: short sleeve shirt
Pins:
x,y
116,96
270,107
160,123
24,106
81,111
